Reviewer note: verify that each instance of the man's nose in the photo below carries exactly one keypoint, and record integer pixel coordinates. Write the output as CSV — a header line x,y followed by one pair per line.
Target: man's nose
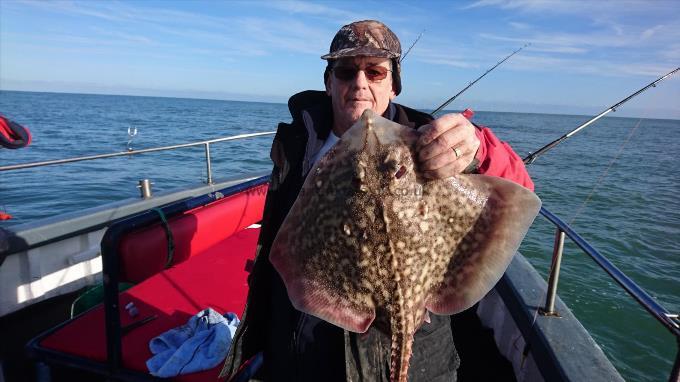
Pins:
x,y
360,79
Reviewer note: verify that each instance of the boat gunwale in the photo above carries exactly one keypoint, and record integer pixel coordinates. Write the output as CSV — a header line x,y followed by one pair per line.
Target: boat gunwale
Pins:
x,y
521,290
27,236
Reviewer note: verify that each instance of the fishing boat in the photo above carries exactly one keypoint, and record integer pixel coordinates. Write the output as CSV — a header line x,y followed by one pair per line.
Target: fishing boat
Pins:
x,y
192,248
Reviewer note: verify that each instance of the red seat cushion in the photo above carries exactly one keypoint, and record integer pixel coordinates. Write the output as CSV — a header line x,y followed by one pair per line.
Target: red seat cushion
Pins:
x,y
144,253
216,278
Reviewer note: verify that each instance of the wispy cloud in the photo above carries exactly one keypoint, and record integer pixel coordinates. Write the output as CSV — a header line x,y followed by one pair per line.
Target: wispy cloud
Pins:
x,y
289,35
564,40
636,37
118,11
484,3
520,26
586,66
557,49
605,22
219,41
526,5
317,9
249,36
593,9
342,13
672,53
126,37
446,56
89,41
447,61
648,33
68,7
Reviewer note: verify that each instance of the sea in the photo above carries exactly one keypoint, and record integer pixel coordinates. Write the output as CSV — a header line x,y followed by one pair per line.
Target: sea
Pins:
x,y
616,182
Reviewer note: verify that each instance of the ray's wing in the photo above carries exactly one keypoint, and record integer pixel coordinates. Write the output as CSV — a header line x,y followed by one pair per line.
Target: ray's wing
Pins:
x,y
488,218
317,247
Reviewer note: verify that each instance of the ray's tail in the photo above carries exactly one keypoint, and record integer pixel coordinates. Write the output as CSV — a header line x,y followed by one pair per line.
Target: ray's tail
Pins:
x,y
402,347
403,329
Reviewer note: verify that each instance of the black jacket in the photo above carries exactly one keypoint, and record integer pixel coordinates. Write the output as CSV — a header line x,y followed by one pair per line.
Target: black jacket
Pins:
x,y
297,346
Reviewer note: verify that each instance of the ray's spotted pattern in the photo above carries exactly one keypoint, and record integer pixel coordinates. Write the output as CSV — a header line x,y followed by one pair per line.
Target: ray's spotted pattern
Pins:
x,y
371,244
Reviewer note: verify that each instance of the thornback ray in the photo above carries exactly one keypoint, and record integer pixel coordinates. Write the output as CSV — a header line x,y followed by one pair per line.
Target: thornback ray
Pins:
x,y
370,243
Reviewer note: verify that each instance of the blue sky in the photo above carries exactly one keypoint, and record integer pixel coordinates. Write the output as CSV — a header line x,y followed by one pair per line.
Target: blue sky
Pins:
x,y
584,57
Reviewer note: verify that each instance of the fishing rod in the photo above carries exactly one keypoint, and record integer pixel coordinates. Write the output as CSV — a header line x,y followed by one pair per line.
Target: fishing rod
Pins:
x,y
412,45
478,78
532,156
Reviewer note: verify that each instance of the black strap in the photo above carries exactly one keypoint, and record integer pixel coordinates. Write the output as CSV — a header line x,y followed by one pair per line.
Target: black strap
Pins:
x,y
168,235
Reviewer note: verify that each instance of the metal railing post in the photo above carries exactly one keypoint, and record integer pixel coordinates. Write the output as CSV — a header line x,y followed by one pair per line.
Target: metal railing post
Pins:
x,y
207,162
549,309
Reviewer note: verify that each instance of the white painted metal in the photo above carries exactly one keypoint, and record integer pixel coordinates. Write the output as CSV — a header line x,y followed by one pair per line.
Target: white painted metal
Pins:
x,y
50,270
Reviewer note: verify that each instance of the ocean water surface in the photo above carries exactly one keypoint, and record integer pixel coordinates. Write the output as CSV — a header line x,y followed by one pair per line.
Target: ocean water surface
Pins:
x,y
617,182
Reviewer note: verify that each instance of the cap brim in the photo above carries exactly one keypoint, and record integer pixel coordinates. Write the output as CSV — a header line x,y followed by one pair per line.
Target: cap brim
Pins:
x,y
360,51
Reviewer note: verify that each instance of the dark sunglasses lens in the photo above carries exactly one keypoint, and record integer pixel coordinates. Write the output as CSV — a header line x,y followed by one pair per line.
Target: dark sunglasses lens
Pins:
x,y
373,73
344,73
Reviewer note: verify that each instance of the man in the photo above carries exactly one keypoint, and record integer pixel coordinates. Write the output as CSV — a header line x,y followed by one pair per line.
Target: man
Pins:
x,y
363,72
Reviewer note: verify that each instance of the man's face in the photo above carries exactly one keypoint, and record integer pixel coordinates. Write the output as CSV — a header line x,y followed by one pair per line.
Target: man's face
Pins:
x,y
351,96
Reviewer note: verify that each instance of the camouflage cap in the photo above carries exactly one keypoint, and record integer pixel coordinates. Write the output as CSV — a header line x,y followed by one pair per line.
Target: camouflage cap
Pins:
x,y
366,38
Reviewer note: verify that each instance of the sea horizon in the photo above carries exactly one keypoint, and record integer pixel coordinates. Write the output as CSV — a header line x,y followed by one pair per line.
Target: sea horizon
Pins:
x,y
610,115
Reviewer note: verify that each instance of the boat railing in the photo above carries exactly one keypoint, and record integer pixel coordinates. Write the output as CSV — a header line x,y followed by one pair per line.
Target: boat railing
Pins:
x,y
668,320
206,144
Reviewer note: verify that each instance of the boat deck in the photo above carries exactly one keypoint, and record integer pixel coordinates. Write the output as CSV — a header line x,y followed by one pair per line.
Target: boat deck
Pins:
x,y
480,358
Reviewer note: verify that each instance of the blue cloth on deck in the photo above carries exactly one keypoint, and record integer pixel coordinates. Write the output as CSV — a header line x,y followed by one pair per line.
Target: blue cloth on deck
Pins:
x,y
200,344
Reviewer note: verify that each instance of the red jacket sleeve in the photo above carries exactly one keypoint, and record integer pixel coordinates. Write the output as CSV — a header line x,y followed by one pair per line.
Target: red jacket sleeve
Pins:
x,y
497,158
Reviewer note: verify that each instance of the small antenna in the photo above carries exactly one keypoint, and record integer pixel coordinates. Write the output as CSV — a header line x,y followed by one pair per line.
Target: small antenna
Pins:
x,y
132,132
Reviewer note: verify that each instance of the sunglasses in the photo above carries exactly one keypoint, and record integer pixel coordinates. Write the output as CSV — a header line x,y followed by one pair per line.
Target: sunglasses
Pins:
x,y
373,73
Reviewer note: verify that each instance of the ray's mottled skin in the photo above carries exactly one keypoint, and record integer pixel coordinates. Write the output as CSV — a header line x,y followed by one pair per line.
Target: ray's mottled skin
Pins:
x,y
369,242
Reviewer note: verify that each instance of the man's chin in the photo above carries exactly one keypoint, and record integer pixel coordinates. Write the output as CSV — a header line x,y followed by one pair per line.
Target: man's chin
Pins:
x,y
356,112
352,114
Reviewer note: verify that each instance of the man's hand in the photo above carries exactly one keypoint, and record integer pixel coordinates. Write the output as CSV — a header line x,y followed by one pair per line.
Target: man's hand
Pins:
x,y
436,155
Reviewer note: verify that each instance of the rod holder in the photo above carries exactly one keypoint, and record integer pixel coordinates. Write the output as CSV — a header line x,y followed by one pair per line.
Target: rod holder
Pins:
x,y
145,188
558,248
